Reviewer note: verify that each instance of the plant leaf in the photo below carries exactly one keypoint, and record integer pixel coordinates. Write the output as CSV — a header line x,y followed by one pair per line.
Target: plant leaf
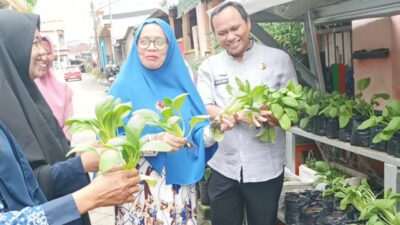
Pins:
x,y
147,114
178,101
363,84
290,101
167,112
292,115
304,121
285,122
109,159
135,127
158,146
82,148
277,110
197,119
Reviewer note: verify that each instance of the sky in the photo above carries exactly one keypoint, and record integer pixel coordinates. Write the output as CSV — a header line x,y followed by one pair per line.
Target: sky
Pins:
x,y
77,15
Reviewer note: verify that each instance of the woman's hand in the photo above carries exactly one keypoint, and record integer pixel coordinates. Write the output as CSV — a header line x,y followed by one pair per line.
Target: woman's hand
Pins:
x,y
90,160
112,188
175,142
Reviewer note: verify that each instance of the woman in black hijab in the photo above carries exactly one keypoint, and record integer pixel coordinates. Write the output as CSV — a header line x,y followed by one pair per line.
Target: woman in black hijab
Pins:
x,y
27,115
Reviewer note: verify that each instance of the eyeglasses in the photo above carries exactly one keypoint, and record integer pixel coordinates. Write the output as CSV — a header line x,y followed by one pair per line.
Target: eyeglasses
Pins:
x,y
159,43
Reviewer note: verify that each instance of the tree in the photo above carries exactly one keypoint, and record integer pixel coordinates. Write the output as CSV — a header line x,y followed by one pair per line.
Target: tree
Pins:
x,y
289,35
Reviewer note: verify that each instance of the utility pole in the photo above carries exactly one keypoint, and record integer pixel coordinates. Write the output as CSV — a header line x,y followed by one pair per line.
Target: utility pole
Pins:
x,y
99,64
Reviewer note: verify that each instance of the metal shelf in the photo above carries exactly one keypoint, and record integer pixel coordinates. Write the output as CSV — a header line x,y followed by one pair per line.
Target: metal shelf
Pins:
x,y
391,163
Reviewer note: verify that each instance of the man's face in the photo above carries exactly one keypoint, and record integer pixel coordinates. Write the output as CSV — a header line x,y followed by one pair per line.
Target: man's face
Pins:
x,y
38,63
232,32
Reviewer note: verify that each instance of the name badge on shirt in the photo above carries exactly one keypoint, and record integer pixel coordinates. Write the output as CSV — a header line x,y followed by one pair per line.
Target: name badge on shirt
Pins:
x,y
222,79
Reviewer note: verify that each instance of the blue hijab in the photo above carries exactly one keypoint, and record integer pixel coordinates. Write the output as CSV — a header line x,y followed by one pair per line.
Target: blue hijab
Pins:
x,y
18,185
144,87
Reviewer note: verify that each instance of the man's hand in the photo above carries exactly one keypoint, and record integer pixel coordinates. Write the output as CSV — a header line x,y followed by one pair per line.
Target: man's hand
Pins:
x,y
227,122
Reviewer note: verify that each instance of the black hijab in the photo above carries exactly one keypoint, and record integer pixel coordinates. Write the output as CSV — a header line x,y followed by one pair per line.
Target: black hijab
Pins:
x,y
22,108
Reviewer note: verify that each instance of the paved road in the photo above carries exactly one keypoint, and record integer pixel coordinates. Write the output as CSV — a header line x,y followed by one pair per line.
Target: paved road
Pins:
x,y
86,94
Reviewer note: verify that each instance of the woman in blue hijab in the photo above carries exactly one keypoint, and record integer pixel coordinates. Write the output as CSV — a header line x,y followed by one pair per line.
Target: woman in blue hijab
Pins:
x,y
155,69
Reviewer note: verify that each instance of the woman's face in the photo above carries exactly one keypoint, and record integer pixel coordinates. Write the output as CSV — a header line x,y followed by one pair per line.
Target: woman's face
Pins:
x,y
49,53
152,46
38,64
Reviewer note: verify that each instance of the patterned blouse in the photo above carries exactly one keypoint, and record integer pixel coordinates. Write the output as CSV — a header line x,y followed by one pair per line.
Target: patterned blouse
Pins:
x,y
28,215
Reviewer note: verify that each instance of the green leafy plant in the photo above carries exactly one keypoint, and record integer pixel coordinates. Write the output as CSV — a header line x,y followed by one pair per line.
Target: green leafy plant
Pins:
x,y
391,119
114,149
326,174
284,105
359,196
339,107
311,106
365,108
382,211
109,115
171,119
244,99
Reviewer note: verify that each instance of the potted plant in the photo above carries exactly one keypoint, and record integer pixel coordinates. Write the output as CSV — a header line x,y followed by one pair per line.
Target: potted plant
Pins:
x,y
365,111
390,126
332,112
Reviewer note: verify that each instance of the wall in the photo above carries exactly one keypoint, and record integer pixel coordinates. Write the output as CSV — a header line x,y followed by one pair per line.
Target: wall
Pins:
x,y
395,53
370,34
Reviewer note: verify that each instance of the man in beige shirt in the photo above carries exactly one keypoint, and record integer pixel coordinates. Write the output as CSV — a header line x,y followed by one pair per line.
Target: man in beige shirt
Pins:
x,y
247,173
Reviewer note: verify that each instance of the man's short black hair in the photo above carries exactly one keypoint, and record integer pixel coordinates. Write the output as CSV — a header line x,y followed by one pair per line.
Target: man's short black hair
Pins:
x,y
236,5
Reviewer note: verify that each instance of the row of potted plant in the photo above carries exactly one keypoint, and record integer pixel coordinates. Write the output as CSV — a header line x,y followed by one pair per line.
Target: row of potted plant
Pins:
x,y
341,202
350,119
354,119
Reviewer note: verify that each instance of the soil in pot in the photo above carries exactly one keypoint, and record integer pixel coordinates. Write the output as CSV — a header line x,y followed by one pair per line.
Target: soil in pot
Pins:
x,y
332,128
359,137
319,124
311,213
393,145
293,203
345,132
329,203
378,146
334,218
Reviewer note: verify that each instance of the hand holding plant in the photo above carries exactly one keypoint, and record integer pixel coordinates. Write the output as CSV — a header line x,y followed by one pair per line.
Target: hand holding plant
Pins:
x,y
171,119
112,149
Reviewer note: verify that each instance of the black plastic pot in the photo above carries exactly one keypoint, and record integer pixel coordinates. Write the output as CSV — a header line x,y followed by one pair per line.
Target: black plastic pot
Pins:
x,y
379,146
319,124
293,204
393,145
352,213
334,218
204,198
311,213
309,126
345,132
329,203
332,128
360,137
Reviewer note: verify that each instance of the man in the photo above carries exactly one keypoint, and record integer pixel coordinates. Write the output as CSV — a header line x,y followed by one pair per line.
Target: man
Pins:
x,y
247,173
